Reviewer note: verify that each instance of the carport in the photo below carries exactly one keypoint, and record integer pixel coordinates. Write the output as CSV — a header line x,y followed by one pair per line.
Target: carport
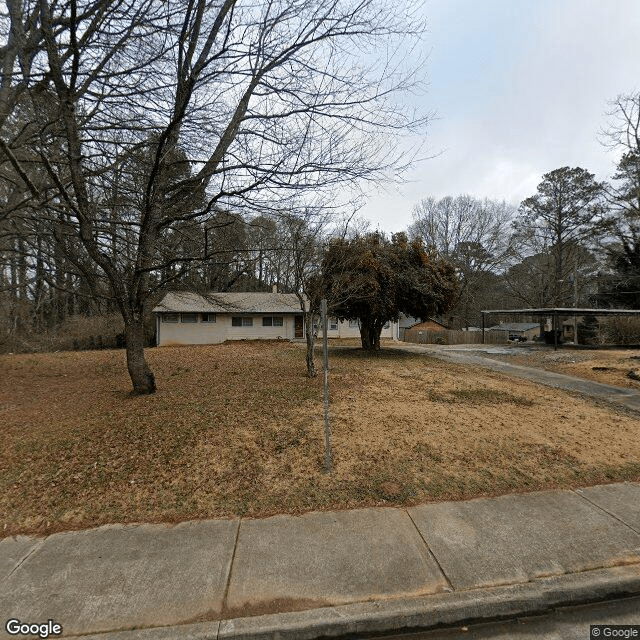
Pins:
x,y
555,313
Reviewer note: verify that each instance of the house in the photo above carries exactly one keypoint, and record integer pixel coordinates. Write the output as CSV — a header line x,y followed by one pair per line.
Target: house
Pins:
x,y
351,329
407,323
568,327
426,326
183,317
518,330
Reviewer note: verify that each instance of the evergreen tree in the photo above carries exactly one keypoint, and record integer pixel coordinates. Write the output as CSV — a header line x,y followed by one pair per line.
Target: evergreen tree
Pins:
x,y
373,280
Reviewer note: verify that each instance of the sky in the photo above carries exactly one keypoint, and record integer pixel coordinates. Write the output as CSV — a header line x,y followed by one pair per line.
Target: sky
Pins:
x,y
519,88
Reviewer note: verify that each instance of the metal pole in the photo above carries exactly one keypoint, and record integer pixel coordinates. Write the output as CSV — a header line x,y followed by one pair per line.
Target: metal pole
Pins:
x,y
575,306
325,367
555,330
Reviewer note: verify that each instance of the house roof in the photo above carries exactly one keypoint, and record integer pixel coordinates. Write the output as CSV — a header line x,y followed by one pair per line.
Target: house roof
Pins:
x,y
515,326
237,302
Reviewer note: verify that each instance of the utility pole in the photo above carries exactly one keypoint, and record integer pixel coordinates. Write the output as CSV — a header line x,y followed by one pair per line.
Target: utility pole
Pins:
x,y
325,367
575,306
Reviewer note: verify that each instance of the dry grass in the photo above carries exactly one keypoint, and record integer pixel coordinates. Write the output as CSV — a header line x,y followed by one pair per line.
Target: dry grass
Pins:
x,y
236,429
609,366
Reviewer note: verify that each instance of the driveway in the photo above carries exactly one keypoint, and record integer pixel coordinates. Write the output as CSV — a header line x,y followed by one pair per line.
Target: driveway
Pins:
x,y
480,355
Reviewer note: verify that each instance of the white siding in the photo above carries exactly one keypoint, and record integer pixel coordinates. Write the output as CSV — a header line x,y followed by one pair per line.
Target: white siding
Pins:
x,y
345,331
171,333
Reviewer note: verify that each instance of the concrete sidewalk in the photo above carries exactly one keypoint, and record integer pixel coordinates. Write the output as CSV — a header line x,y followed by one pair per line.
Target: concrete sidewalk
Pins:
x,y
329,574
622,396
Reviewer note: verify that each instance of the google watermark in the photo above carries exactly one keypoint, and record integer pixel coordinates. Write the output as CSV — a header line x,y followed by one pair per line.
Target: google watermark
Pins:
x,y
46,629
598,631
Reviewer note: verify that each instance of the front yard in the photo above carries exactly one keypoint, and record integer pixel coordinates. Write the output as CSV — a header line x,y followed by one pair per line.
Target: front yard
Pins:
x,y
609,366
236,429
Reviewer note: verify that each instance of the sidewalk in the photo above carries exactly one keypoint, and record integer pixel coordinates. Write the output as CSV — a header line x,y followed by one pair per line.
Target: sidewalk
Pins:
x,y
329,573
622,396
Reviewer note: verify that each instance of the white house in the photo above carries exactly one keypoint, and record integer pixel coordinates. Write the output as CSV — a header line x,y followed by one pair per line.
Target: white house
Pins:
x,y
351,329
183,317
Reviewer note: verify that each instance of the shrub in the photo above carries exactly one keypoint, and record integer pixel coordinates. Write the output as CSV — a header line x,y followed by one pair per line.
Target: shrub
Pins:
x,y
589,331
75,333
621,330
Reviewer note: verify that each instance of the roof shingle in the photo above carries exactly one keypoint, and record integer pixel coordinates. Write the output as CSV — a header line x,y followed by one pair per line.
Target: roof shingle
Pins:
x,y
236,302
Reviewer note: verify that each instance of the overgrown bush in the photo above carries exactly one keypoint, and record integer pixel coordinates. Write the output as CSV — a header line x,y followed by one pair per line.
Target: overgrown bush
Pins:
x,y
589,331
75,333
548,337
621,330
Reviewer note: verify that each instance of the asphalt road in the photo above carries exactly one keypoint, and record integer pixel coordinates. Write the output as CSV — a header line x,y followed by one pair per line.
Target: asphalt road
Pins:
x,y
567,623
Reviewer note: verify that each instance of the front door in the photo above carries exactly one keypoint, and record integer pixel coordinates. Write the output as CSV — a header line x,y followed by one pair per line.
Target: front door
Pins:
x,y
299,327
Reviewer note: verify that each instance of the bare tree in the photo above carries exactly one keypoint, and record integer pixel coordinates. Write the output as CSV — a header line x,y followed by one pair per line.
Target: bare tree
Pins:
x,y
302,236
22,37
619,230
265,101
474,236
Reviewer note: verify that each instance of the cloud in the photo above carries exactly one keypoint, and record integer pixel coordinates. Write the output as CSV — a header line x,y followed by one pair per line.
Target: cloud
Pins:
x,y
521,89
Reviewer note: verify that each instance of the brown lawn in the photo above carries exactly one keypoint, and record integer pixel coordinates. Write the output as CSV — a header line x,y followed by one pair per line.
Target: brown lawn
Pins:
x,y
236,429
609,366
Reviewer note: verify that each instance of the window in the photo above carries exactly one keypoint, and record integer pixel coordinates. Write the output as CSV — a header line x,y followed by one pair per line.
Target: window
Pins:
x,y
170,317
207,317
333,324
189,317
241,321
354,324
386,325
272,321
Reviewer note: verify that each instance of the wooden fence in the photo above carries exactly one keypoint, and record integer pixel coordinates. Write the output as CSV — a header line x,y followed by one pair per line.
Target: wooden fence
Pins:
x,y
455,337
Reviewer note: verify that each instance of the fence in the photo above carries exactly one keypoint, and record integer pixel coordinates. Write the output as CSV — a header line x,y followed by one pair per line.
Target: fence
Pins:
x,y
455,337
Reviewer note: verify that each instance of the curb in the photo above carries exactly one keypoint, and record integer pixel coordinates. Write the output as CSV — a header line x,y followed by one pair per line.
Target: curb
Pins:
x,y
408,615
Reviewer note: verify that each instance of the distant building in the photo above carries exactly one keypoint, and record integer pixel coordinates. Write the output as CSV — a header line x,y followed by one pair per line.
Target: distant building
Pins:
x,y
427,326
518,330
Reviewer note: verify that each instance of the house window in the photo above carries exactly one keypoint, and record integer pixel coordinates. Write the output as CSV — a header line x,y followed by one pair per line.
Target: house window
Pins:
x,y
354,324
170,317
386,325
241,321
333,325
207,317
189,317
272,321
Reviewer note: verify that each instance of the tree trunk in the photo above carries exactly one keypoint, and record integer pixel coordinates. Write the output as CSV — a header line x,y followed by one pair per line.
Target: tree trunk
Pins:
x,y
311,339
370,334
365,337
22,270
141,375
376,338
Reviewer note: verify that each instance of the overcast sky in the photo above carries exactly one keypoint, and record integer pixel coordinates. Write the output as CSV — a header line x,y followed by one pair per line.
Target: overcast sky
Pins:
x,y
520,88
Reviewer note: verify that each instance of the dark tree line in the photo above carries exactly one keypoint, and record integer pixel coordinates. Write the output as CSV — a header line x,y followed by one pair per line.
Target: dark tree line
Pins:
x,y
575,242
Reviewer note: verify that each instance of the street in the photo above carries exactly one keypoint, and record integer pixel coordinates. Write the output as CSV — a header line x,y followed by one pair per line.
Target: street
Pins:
x,y
568,623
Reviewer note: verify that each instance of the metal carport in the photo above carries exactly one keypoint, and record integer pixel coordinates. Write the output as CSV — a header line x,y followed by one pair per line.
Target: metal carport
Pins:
x,y
555,312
